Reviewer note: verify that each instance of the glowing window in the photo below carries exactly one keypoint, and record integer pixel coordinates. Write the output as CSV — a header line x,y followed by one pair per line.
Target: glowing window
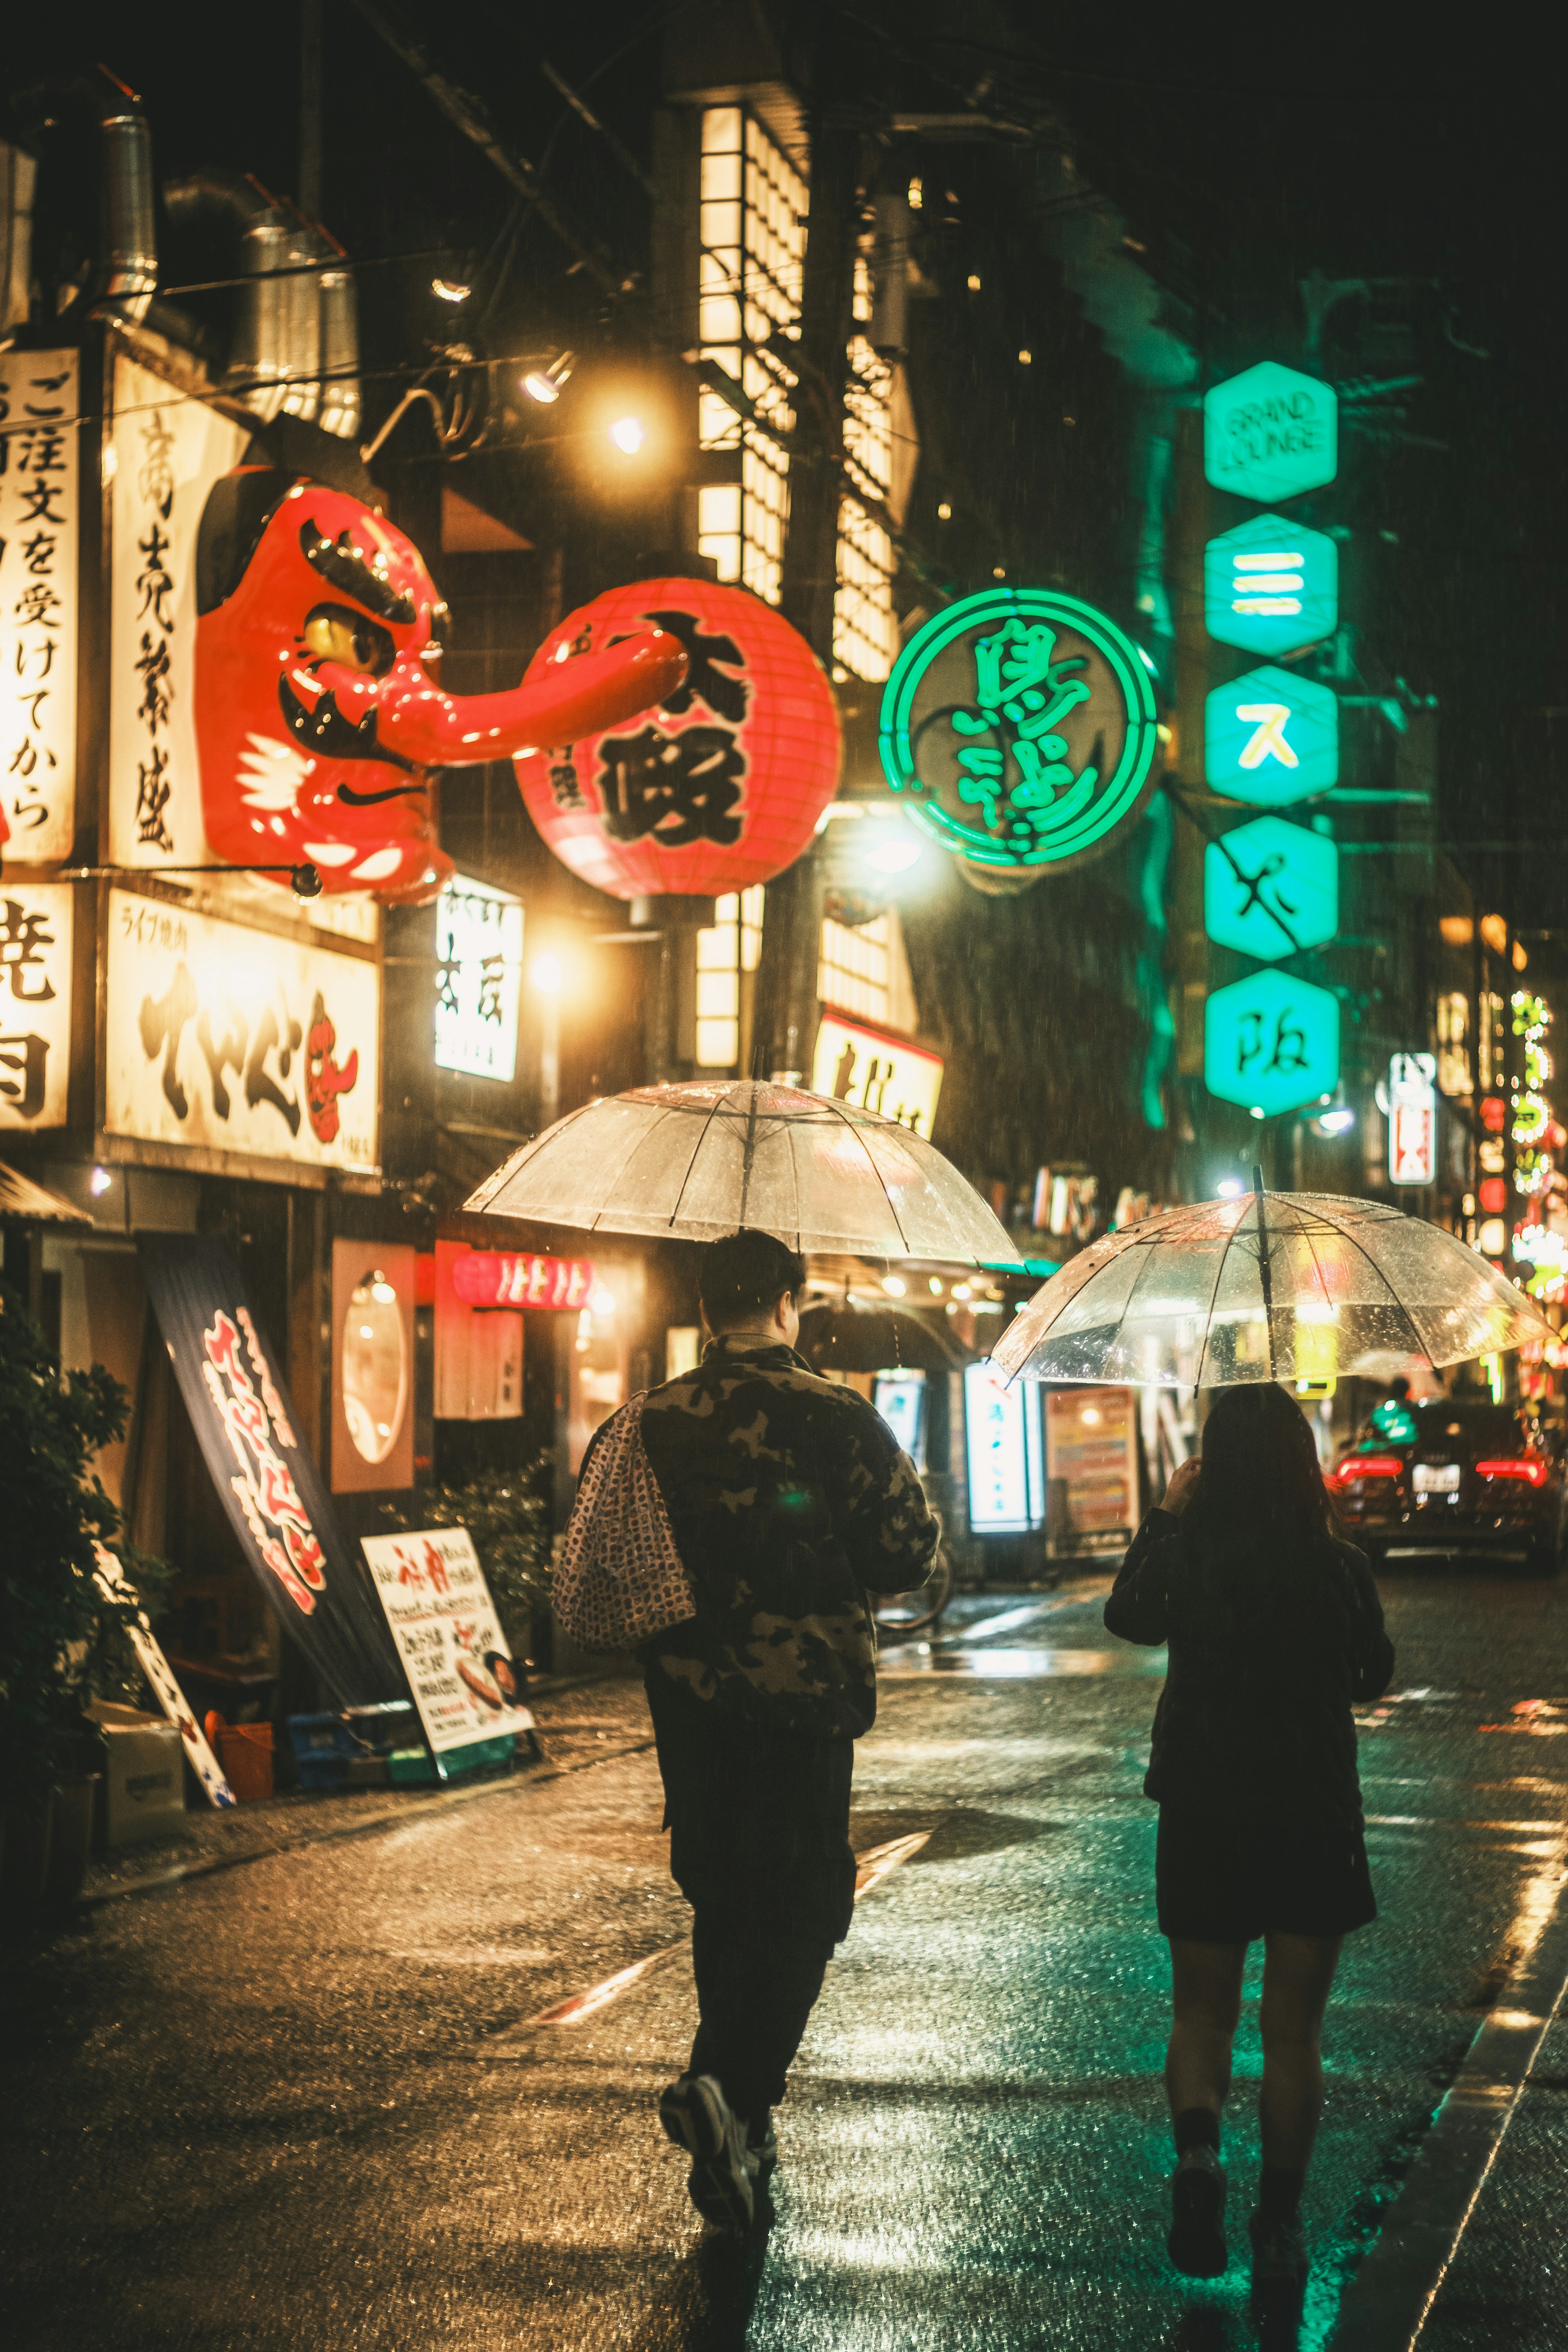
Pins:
x,y
727,956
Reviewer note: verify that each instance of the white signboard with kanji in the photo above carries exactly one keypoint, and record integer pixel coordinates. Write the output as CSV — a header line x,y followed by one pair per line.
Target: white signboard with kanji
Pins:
x,y
457,1660
237,1040
1412,1119
478,979
35,1003
166,451
39,517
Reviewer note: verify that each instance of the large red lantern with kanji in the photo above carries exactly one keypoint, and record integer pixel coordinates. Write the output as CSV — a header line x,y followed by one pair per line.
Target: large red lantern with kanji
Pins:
x,y
718,787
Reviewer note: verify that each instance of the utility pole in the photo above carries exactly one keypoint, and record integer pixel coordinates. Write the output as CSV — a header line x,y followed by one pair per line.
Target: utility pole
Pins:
x,y
787,976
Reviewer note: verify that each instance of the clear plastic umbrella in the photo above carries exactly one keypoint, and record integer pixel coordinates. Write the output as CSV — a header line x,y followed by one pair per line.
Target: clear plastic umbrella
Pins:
x,y
1272,1287
698,1161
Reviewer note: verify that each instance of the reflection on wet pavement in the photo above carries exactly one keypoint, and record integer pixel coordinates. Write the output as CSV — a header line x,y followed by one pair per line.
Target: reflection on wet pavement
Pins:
x,y
317,2100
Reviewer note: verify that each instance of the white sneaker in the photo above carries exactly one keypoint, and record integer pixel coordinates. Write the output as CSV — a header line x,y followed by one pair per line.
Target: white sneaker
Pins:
x,y
698,2117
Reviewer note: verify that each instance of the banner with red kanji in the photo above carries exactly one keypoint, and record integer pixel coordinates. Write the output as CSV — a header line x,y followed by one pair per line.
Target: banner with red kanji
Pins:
x,y
268,1484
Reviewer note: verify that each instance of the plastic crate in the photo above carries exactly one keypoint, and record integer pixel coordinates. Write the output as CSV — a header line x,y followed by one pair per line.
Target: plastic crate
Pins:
x,y
245,1752
324,1747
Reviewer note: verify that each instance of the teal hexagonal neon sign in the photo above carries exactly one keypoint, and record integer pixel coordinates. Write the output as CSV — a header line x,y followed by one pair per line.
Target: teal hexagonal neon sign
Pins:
x,y
1271,586
1272,1043
1271,433
1270,739
1271,889
1018,728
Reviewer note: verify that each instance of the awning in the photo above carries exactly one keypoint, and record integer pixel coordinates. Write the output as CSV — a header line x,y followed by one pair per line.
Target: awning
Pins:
x,y
23,1203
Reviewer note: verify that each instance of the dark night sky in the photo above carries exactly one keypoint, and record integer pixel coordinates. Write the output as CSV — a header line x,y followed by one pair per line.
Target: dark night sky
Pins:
x,y
1367,140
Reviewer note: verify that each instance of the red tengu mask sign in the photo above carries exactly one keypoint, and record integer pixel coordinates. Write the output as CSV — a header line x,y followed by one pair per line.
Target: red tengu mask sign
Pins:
x,y
319,709
722,784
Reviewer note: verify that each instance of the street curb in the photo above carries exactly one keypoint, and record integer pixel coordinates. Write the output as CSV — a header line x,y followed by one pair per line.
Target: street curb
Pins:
x,y
1389,2299
181,1873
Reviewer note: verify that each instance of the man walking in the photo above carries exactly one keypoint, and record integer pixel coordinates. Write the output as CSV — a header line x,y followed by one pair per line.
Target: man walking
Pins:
x,y
788,1500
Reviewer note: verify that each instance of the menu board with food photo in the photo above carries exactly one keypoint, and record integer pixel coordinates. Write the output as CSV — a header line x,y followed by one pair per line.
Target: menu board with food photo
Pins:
x,y
456,1657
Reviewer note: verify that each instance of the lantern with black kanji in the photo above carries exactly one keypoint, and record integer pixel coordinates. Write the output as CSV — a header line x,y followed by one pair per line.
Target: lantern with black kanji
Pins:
x,y
719,787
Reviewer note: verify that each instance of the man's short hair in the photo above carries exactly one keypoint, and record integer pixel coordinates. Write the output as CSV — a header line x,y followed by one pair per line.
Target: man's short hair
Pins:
x,y
744,1276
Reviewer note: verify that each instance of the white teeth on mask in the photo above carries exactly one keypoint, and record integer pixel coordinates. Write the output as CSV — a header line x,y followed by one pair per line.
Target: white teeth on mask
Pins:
x,y
378,865
270,774
328,853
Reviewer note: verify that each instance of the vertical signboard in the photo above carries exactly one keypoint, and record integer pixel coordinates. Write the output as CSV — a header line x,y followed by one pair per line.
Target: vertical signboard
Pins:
x,y
1091,1449
1412,1119
39,519
1007,1469
35,1003
166,451
478,976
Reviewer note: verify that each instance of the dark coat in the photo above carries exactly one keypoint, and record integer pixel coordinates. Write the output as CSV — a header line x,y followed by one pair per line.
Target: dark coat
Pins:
x,y
789,1499
1255,1719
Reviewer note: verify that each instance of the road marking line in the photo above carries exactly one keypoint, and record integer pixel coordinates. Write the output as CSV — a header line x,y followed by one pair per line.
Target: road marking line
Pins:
x,y
1390,2299
871,1868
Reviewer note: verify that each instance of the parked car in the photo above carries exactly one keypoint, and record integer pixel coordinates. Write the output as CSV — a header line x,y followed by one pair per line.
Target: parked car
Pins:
x,y
1476,1478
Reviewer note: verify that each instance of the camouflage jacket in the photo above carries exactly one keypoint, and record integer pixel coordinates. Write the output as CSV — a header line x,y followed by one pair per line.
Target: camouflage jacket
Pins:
x,y
789,1498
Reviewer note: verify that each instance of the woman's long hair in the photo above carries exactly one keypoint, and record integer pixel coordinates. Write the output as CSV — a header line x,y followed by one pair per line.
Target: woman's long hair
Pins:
x,y
1261,1514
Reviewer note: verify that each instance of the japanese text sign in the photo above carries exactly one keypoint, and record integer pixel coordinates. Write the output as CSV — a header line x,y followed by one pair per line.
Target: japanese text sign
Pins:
x,y
1005,1455
238,1041
1091,1445
1412,1119
35,1003
1019,728
1272,1043
39,518
233,1389
1271,433
503,1278
457,1660
1271,889
1271,586
1270,739
166,451
478,977
886,1074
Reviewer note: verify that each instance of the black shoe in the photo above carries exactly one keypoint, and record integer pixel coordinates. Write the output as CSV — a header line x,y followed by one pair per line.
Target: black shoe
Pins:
x,y
762,2144
1280,2263
1196,2240
698,2117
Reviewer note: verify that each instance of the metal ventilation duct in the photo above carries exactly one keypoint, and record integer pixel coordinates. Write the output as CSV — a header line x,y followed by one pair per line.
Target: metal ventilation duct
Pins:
x,y
121,272
294,344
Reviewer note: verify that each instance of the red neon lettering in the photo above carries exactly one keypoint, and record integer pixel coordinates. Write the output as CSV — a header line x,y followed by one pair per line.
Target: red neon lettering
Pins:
x,y
579,1281
306,1554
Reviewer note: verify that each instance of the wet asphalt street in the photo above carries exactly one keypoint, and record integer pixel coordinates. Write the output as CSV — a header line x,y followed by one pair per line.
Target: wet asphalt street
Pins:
x,y
311,2101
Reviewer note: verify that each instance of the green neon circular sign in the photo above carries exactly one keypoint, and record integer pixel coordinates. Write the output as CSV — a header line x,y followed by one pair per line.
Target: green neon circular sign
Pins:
x,y
1018,728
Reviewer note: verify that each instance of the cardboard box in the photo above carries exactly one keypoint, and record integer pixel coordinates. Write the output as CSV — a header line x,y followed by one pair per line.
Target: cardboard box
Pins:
x,y
145,1782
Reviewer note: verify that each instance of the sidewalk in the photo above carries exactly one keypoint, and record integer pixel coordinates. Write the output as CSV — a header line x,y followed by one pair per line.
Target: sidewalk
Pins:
x,y
581,1722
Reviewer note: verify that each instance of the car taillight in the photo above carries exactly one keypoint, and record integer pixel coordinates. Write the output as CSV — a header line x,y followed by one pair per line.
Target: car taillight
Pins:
x,y
1516,1466
1368,1466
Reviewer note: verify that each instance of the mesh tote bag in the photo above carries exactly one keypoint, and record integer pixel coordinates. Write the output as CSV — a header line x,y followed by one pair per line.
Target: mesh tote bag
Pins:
x,y
620,1579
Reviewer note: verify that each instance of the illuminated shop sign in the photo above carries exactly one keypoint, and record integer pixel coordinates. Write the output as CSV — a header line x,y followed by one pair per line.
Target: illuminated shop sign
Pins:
x,y
1271,433
1005,1452
1270,739
1271,889
479,978
1019,729
1412,1119
504,1278
35,1003
886,1074
1272,1043
39,517
1271,586
236,1040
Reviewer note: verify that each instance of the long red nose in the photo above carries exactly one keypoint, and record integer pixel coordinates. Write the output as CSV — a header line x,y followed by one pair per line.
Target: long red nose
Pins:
x,y
576,697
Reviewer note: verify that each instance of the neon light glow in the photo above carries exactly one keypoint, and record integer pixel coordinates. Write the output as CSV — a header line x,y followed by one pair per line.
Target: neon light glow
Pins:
x,y
1271,433
1272,1043
1270,588
1019,728
1270,739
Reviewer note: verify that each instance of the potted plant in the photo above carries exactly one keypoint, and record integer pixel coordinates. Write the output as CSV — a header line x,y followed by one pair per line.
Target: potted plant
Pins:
x,y
63,1637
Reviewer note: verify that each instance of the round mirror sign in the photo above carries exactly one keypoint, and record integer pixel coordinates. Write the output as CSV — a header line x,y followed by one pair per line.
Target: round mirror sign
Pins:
x,y
375,1372
1018,727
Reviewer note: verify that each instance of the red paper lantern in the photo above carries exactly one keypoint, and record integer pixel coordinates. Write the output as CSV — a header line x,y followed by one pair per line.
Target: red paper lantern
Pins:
x,y
719,787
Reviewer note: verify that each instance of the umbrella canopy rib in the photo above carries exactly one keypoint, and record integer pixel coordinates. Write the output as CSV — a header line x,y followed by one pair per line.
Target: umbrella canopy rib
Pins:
x,y
1214,1294
713,1109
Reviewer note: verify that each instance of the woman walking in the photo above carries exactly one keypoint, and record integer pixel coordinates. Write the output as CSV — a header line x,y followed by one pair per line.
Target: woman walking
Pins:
x,y
1274,1628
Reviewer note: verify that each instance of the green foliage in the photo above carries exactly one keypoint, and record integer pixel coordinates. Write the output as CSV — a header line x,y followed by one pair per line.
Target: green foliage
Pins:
x,y
63,1641
509,1519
